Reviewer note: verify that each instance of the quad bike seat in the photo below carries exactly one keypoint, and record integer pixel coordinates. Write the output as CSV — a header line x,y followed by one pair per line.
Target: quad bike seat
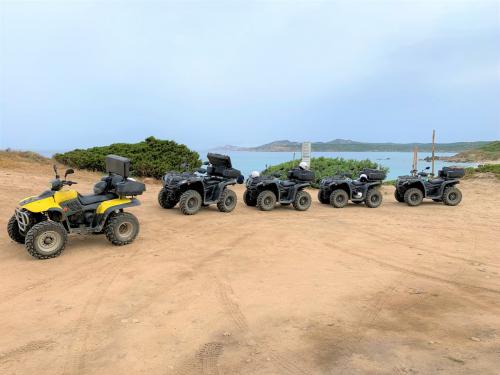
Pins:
x,y
95,198
357,182
287,183
436,181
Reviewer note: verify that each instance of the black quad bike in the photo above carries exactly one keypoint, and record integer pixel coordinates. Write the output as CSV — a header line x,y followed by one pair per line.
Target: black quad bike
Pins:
x,y
43,222
413,188
339,190
202,188
265,191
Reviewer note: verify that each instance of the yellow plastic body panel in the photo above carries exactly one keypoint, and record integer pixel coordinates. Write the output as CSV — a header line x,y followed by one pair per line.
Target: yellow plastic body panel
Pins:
x,y
45,204
111,203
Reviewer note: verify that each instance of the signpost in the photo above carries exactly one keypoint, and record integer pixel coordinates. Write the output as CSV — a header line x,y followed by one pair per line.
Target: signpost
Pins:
x,y
306,152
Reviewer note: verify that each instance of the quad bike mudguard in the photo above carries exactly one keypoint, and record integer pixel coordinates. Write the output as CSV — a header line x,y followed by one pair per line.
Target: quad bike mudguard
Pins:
x,y
113,205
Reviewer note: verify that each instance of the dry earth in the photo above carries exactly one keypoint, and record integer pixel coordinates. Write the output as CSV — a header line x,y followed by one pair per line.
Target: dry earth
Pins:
x,y
393,290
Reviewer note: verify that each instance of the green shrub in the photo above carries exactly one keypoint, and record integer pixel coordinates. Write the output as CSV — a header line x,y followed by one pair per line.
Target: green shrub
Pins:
x,y
325,167
150,158
486,168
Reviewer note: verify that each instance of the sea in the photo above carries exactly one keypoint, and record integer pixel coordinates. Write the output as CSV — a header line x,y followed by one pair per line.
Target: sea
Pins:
x,y
399,163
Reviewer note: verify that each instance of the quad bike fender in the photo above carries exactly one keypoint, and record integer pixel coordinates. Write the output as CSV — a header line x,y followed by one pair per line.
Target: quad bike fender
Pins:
x,y
342,185
108,207
47,201
269,185
115,204
447,184
411,184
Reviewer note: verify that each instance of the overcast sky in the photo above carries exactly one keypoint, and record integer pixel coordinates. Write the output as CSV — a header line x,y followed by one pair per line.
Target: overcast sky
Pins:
x,y
210,73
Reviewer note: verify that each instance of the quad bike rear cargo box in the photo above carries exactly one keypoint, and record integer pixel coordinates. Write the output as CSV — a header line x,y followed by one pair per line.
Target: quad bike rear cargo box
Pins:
x,y
223,171
374,174
451,172
218,160
130,188
118,165
301,174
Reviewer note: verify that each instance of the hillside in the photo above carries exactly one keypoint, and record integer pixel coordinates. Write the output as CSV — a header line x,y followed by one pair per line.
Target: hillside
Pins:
x,y
486,153
339,145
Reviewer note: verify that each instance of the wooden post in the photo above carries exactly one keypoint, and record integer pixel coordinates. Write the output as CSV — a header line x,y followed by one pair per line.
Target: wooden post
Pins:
x,y
433,149
415,159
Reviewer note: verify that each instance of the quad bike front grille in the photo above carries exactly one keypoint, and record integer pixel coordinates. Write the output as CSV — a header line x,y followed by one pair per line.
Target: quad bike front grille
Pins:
x,y
23,219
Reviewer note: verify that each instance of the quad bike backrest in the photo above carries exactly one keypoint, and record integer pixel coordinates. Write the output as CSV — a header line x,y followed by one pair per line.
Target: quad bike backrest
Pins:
x,y
219,160
118,165
451,172
301,174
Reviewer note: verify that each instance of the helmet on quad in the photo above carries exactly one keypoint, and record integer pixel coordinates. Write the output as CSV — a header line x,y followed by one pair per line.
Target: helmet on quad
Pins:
x,y
304,165
255,174
363,177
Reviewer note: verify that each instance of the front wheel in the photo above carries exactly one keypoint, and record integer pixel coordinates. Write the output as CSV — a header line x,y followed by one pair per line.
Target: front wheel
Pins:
x,y
302,201
373,198
413,197
227,201
166,200
339,198
122,228
266,200
400,198
46,240
13,230
322,198
452,196
190,202
249,201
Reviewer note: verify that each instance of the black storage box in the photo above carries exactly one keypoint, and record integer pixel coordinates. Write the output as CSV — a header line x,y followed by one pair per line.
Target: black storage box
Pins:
x,y
218,160
451,172
118,165
231,173
222,171
301,174
129,188
374,174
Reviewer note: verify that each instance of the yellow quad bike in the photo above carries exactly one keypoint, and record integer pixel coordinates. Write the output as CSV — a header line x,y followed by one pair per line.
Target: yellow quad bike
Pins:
x,y
43,222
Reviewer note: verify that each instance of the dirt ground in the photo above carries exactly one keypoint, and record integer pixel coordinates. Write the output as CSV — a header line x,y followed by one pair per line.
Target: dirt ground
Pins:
x,y
393,290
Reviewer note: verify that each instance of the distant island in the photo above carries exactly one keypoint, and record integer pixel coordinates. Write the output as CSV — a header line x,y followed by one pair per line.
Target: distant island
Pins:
x,y
346,145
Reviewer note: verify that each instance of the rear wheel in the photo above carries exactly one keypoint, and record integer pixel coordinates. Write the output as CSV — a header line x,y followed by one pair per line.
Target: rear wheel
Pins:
x,y
339,198
227,201
400,198
46,240
302,201
373,198
166,200
452,196
13,230
249,201
190,202
413,197
266,200
122,228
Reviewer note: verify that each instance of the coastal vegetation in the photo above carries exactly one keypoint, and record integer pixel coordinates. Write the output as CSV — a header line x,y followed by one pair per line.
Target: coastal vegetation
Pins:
x,y
324,167
149,158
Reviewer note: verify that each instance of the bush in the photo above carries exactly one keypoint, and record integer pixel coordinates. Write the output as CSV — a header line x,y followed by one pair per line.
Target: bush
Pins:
x,y
150,158
486,168
325,167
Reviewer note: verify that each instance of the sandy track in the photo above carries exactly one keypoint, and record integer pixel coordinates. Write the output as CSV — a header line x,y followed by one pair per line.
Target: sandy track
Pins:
x,y
394,290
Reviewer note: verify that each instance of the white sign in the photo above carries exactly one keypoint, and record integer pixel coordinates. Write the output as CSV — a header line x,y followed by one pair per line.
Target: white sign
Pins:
x,y
306,152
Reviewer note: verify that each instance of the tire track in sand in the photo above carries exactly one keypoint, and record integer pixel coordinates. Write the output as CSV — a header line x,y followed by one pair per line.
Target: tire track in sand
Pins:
x,y
77,353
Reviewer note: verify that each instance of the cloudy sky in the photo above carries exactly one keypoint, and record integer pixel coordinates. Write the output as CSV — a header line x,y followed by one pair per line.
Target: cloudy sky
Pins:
x,y
209,73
